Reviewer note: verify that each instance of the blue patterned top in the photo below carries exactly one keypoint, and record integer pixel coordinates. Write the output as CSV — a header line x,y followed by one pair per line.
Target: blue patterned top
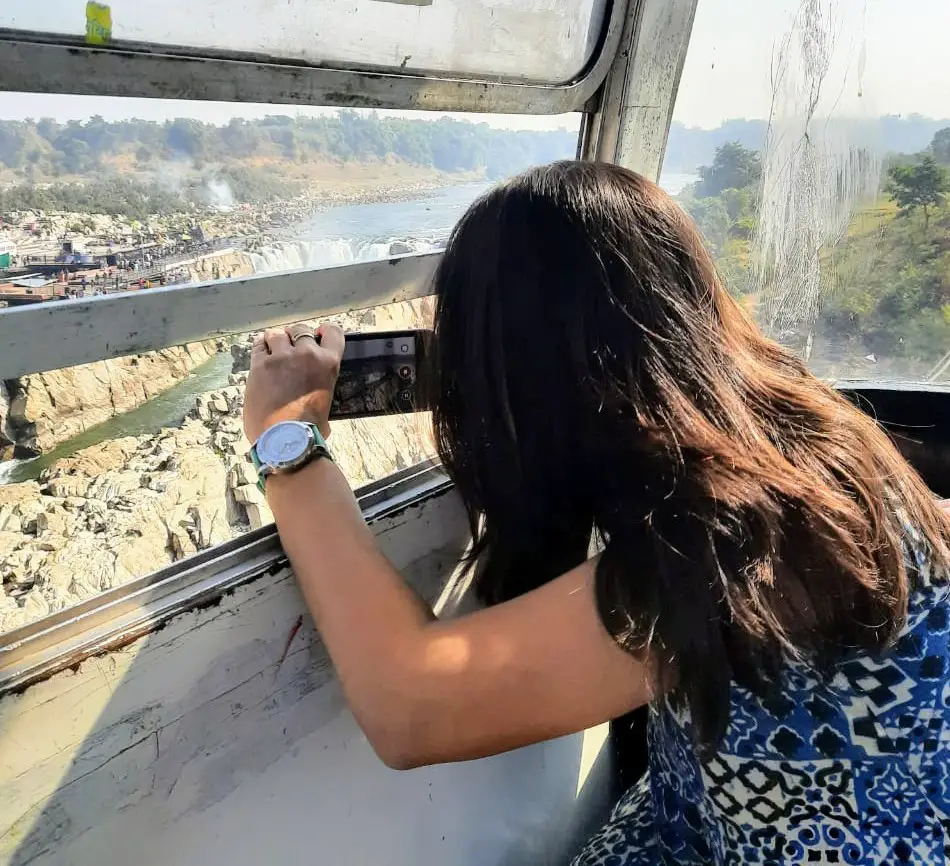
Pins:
x,y
851,769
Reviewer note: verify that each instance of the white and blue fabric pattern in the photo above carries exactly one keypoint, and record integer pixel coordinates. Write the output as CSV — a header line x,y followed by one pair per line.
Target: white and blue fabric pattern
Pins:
x,y
852,768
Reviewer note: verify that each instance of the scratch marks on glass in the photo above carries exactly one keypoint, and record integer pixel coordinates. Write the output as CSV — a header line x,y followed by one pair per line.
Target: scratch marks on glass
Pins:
x,y
818,166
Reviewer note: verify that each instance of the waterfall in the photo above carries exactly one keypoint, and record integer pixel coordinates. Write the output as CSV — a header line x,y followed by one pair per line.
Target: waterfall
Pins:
x,y
294,255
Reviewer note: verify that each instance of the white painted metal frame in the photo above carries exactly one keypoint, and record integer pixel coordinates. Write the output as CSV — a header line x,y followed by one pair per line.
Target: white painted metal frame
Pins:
x,y
43,63
60,334
56,334
632,123
630,128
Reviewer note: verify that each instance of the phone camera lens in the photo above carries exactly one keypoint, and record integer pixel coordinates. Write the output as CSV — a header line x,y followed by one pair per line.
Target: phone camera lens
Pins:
x,y
406,396
405,372
404,348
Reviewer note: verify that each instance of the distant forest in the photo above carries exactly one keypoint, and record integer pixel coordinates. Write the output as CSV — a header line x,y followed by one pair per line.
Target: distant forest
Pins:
x,y
119,168
49,149
690,147
884,306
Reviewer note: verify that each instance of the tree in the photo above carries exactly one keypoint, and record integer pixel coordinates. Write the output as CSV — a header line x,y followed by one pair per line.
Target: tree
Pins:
x,y
713,220
738,203
12,142
188,137
919,186
734,167
940,146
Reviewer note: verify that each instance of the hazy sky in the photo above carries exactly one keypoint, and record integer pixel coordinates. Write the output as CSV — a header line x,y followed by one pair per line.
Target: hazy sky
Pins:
x,y
901,45
888,57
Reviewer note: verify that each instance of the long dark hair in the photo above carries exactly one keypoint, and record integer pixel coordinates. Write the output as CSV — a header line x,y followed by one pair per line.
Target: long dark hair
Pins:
x,y
592,374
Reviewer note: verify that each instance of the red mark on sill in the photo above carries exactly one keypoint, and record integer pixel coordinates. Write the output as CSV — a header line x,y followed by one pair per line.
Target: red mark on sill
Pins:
x,y
290,640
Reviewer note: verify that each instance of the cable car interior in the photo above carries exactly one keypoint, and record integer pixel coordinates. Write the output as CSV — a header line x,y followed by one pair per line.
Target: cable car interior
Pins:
x,y
164,697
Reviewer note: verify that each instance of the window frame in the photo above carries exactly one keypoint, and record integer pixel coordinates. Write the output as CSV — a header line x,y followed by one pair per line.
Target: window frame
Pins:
x,y
146,320
49,63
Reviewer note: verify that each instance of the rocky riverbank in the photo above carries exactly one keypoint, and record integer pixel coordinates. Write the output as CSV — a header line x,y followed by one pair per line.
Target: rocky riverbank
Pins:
x,y
126,507
40,233
39,411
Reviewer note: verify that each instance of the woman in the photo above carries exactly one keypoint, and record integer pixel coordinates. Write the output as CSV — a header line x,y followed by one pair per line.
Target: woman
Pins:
x,y
772,574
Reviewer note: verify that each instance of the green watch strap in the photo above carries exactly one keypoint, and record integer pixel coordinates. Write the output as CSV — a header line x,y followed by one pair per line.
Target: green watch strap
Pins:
x,y
319,451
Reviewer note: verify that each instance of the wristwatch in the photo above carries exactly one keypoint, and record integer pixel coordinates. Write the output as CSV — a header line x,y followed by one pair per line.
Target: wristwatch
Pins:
x,y
286,447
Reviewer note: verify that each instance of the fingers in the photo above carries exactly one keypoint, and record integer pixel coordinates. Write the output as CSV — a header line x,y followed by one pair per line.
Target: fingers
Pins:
x,y
332,339
278,342
281,341
258,350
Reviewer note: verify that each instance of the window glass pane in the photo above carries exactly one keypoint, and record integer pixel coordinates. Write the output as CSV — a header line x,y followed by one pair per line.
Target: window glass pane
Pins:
x,y
161,479
816,138
111,470
540,40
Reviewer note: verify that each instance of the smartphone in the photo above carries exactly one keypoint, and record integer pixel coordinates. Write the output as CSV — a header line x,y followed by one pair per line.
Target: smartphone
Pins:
x,y
379,374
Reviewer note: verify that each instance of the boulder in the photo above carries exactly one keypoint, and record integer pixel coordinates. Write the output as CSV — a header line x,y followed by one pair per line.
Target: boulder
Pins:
x,y
210,526
9,519
89,462
35,606
112,486
242,473
70,486
9,541
249,494
56,521
219,403
241,357
259,515
15,494
28,512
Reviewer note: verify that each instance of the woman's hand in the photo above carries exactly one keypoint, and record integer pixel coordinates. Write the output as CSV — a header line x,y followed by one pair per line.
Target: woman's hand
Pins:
x,y
292,380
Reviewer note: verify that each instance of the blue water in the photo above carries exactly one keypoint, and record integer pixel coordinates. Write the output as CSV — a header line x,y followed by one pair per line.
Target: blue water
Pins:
x,y
431,217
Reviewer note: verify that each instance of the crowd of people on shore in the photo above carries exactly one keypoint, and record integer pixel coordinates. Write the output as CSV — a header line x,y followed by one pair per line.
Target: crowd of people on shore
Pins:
x,y
116,279
143,268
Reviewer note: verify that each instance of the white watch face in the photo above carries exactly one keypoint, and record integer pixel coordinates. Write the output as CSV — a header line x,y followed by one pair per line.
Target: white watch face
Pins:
x,y
282,445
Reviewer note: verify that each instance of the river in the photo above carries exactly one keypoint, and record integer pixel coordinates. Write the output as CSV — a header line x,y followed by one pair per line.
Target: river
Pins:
x,y
168,409
347,233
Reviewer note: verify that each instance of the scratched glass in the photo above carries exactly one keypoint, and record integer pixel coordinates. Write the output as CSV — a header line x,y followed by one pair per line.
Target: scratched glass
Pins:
x,y
548,41
826,204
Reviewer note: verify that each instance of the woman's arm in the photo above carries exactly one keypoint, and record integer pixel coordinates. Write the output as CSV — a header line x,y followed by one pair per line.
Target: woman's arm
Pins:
x,y
426,691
